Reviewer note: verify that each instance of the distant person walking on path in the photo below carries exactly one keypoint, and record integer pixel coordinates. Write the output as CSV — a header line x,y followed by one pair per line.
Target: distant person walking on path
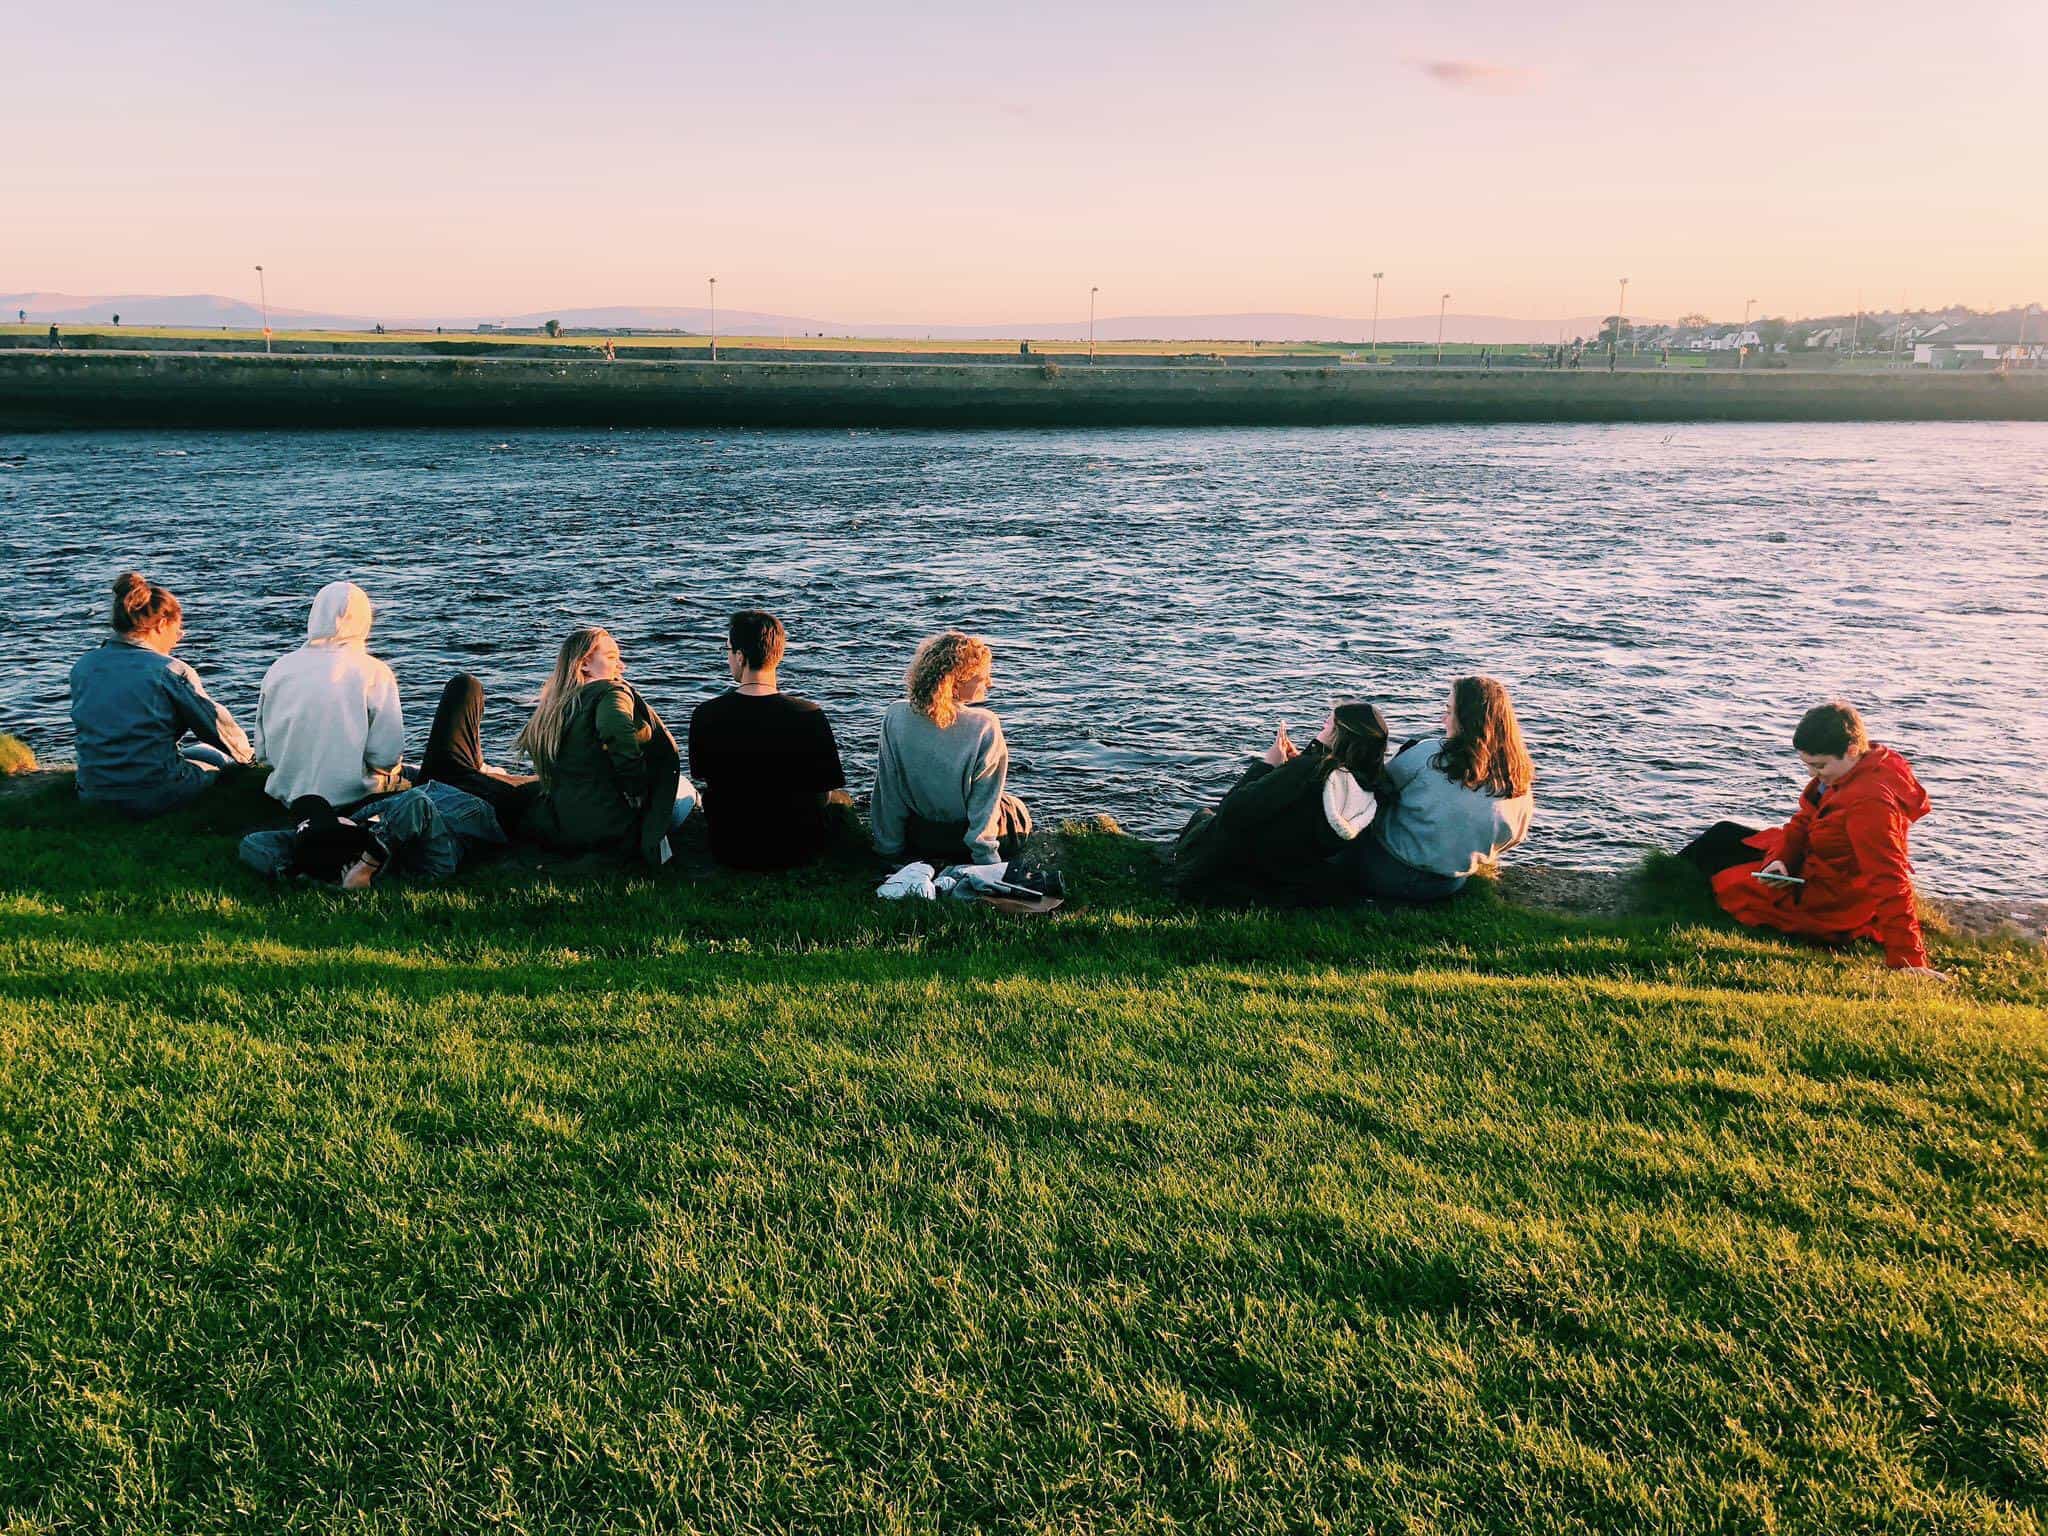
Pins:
x,y
1839,870
133,703
942,780
766,760
1462,798
56,338
328,719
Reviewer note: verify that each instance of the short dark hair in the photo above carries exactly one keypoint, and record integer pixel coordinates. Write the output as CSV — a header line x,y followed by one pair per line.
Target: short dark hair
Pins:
x,y
1833,729
758,637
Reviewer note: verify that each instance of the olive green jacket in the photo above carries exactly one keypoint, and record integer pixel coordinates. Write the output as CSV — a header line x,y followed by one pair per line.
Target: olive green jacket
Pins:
x,y
599,789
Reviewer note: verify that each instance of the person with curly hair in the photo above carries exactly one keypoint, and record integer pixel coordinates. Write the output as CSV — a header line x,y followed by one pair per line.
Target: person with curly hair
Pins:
x,y
942,780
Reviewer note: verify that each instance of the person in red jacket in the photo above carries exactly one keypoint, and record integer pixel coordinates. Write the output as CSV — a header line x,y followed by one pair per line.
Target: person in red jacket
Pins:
x,y
1845,847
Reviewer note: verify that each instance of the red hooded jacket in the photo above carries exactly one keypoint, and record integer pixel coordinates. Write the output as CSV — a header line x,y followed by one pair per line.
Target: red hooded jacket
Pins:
x,y
1849,842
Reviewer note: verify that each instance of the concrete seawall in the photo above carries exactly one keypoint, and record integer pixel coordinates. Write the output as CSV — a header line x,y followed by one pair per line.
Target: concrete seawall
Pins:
x,y
55,390
697,350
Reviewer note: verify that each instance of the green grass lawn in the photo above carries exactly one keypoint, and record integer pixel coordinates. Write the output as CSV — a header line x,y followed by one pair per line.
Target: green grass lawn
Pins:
x,y
561,1200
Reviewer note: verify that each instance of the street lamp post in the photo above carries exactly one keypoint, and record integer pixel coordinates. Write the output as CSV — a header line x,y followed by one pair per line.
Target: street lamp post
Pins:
x,y
1620,319
1376,315
263,294
714,319
1441,304
1091,324
1742,346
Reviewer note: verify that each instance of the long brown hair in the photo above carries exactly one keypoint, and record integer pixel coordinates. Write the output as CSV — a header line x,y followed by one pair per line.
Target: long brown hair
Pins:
x,y
1360,747
1485,751
141,607
946,666
541,741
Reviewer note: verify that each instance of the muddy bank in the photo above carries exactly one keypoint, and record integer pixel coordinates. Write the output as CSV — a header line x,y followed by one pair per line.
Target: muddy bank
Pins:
x,y
56,390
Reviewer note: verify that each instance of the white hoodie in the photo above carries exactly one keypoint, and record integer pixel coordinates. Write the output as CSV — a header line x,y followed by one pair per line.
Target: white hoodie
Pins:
x,y
328,721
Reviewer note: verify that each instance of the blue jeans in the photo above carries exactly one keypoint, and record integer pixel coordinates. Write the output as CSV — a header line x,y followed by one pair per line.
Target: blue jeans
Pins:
x,y
428,830
1383,877
198,770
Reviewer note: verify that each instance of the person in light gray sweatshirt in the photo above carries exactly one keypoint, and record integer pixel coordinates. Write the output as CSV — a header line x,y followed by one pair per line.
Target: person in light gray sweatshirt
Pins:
x,y
1464,798
942,780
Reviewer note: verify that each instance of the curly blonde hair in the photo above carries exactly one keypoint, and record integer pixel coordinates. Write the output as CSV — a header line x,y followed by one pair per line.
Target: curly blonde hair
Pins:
x,y
946,666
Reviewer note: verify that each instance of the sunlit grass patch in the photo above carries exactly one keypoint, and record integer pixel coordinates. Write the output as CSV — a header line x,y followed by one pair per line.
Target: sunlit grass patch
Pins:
x,y
619,1202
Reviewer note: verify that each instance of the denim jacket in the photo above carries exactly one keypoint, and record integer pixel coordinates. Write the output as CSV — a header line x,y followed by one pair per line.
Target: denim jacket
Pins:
x,y
427,828
130,707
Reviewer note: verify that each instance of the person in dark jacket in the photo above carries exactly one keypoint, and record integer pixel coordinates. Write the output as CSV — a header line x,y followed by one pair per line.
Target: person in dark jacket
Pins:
x,y
133,703
1279,832
610,772
1839,869
455,755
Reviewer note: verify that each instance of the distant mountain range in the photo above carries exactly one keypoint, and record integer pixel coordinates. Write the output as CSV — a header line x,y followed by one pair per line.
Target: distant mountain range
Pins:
x,y
212,309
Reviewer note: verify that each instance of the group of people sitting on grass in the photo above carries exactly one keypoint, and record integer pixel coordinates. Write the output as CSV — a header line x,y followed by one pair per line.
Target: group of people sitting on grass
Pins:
x,y
1341,818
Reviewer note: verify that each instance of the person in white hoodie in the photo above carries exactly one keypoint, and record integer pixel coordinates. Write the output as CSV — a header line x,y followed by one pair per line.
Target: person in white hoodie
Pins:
x,y
328,720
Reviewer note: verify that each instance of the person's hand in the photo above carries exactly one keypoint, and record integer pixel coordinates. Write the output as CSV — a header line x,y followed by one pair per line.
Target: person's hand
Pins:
x,y
1923,970
1283,747
1775,867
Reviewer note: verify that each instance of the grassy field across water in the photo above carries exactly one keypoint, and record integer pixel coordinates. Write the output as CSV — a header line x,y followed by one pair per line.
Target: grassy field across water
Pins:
x,y
571,1199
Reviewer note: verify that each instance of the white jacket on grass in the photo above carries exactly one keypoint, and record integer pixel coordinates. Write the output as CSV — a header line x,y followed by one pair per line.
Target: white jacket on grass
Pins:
x,y
328,721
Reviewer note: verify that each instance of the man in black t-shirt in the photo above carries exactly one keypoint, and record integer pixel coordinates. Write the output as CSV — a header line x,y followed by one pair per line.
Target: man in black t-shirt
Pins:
x,y
765,759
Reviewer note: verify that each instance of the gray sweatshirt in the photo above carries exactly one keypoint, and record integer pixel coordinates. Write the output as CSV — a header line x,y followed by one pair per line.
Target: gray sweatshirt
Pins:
x,y
1444,827
954,774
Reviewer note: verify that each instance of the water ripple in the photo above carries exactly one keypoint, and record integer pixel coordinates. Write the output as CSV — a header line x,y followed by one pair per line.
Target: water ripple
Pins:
x,y
1663,603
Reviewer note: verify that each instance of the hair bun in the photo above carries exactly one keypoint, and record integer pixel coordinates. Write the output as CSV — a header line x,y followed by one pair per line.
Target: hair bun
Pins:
x,y
131,590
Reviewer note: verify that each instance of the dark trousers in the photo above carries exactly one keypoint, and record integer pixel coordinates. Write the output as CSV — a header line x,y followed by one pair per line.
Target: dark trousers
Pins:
x,y
455,754
940,843
1385,878
1722,846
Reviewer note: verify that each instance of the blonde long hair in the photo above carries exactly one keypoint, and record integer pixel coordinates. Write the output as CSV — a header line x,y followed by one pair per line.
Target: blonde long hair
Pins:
x,y
946,666
541,741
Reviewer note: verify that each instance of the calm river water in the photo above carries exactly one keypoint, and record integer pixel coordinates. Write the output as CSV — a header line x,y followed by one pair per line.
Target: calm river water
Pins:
x,y
1662,601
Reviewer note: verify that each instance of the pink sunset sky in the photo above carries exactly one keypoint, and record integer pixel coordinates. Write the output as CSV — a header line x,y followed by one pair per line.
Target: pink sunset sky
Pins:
x,y
966,162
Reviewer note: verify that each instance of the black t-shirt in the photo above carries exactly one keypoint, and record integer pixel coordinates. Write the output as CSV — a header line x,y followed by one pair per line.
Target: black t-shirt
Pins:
x,y
766,762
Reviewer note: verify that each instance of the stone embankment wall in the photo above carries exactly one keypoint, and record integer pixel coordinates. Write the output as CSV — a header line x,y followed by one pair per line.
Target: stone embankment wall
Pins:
x,y
39,390
684,350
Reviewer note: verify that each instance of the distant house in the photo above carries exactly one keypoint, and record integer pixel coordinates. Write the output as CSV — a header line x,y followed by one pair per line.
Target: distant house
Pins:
x,y
1826,336
2002,339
